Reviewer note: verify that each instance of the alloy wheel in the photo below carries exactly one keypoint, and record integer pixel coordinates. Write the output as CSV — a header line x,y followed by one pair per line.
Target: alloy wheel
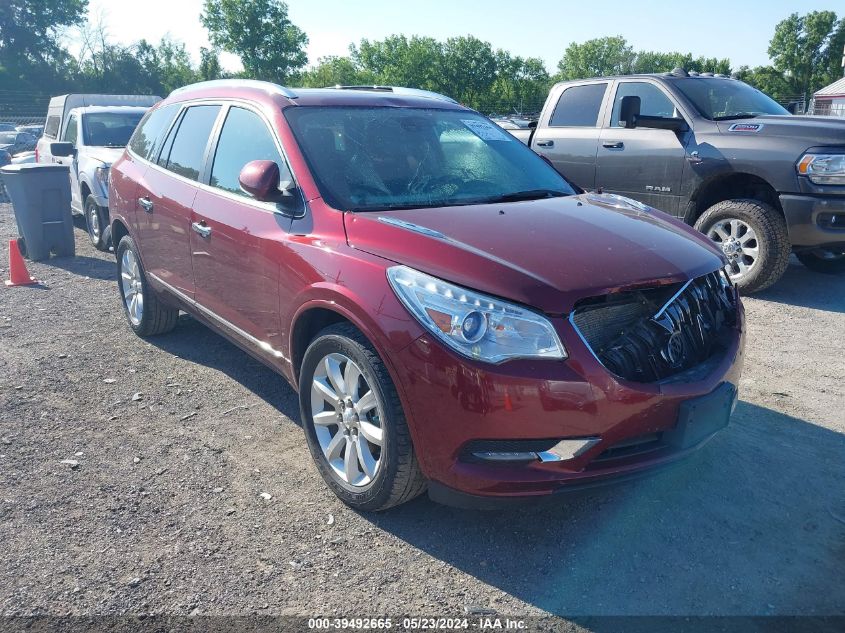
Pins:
x,y
739,243
347,420
132,286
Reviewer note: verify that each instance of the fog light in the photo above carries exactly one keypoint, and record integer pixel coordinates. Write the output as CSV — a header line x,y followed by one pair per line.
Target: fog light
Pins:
x,y
568,449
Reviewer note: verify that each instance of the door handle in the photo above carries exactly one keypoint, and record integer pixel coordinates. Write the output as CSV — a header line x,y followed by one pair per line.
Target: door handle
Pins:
x,y
146,204
545,143
201,228
613,144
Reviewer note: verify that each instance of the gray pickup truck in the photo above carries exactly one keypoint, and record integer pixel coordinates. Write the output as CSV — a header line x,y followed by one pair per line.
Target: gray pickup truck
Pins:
x,y
713,151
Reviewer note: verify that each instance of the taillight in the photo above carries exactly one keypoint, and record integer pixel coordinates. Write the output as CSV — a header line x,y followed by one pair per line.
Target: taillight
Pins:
x,y
36,153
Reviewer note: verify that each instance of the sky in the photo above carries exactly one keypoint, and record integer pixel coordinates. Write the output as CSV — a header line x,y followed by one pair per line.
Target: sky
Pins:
x,y
739,30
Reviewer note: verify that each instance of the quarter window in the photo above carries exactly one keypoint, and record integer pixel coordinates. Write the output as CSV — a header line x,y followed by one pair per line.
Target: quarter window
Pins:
x,y
51,128
244,138
188,150
146,140
70,130
653,101
579,106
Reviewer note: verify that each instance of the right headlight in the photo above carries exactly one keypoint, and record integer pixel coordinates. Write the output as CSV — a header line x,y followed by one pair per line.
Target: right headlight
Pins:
x,y
473,324
823,169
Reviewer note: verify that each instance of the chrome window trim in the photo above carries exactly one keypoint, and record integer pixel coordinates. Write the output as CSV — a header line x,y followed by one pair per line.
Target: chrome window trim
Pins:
x,y
262,345
225,104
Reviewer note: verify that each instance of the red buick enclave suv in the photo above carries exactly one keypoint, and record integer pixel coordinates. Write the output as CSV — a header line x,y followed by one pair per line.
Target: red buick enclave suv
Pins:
x,y
454,314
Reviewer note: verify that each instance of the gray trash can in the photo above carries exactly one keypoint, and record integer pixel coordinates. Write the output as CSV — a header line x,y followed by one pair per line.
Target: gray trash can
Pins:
x,y
40,195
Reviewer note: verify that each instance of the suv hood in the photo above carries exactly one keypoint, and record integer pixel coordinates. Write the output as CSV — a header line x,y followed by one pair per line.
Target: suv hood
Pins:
x,y
811,130
105,154
545,253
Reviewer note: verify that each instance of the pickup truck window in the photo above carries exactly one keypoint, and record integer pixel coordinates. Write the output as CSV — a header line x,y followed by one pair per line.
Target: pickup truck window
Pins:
x,y
653,101
725,99
579,106
373,158
244,138
109,129
70,130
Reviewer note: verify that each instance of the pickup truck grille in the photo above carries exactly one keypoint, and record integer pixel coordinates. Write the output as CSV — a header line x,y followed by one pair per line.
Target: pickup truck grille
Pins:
x,y
645,336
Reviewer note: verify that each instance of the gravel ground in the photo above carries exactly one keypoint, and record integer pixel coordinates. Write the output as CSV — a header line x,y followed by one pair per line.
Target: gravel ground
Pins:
x,y
177,438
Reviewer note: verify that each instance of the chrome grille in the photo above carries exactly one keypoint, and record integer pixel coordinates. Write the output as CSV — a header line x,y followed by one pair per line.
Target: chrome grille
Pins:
x,y
645,338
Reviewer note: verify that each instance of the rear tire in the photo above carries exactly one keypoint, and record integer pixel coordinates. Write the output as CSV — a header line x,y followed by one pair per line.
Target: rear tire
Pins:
x,y
146,314
397,477
754,238
830,261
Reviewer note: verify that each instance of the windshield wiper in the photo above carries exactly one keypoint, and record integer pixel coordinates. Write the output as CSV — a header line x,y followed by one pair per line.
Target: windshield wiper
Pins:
x,y
738,115
531,194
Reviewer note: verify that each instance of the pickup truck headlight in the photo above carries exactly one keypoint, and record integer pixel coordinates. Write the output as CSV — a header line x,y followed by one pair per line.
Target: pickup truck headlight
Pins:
x,y
102,175
823,169
475,325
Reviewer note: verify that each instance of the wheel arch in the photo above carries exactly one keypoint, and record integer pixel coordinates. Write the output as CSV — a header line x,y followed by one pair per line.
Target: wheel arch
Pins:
x,y
731,186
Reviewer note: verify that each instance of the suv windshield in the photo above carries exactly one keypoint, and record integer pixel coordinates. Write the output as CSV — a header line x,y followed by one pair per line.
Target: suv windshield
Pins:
x,y
372,158
723,99
109,129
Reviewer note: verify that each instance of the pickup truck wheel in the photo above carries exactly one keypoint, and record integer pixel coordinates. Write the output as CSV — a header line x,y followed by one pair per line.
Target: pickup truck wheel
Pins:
x,y
147,316
354,422
754,238
830,261
97,223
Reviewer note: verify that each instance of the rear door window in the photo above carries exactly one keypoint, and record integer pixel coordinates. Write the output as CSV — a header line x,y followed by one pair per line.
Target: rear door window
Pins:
x,y
185,157
579,106
70,130
244,138
149,135
51,128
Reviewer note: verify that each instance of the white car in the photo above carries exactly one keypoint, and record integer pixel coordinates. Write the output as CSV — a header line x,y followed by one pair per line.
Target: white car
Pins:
x,y
94,138
88,132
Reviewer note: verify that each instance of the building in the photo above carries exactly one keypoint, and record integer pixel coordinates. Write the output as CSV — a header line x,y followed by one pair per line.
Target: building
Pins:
x,y
831,99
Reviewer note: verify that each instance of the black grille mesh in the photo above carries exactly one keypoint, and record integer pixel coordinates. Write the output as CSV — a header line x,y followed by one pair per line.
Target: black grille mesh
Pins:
x,y
647,345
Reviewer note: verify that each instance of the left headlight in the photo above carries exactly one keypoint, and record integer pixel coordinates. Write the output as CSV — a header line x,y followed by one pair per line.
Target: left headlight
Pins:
x,y
473,324
823,169
102,174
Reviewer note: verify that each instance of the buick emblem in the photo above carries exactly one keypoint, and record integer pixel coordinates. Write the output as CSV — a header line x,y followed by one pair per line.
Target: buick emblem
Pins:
x,y
675,349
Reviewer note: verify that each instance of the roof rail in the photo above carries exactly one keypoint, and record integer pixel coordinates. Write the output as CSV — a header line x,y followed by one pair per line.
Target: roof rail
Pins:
x,y
399,90
266,86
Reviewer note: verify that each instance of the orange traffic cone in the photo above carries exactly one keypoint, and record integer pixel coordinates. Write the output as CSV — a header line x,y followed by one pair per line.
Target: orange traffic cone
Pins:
x,y
19,275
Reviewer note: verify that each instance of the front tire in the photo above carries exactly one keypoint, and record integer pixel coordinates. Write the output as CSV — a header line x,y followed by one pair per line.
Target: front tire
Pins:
x,y
354,422
147,316
97,224
830,261
754,238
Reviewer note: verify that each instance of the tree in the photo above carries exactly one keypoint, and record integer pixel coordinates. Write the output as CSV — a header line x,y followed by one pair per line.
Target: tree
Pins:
x,y
336,71
469,70
801,50
597,58
269,45
521,84
209,67
29,30
416,62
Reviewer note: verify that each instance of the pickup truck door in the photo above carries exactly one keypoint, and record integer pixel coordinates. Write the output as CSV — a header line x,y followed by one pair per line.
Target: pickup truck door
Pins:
x,y
568,133
71,135
642,163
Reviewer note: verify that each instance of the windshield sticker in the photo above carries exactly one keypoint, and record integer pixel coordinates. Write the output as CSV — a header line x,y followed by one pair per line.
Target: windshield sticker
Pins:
x,y
745,127
485,131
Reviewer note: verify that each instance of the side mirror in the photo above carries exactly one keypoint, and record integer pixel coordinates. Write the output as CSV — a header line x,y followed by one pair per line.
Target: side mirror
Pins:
x,y
63,149
629,111
792,107
532,125
260,179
